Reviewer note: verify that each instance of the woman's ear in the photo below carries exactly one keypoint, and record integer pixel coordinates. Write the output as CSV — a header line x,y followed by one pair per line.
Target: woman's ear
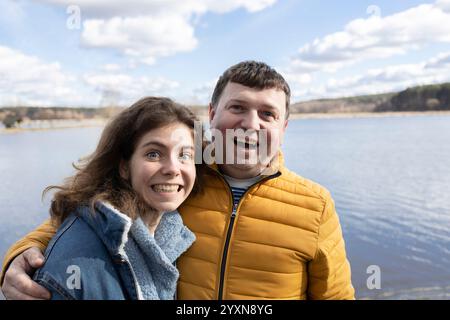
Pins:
x,y
123,169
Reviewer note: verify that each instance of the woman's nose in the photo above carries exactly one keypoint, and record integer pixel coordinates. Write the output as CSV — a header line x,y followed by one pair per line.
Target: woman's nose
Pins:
x,y
171,166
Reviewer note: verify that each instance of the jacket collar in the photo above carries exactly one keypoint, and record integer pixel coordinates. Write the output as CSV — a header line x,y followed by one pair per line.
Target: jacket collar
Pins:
x,y
113,227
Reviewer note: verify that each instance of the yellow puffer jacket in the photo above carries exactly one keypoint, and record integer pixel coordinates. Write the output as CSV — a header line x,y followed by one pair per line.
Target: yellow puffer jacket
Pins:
x,y
284,242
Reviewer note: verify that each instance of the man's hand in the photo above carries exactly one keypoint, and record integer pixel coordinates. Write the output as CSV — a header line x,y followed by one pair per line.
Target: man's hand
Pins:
x,y
17,284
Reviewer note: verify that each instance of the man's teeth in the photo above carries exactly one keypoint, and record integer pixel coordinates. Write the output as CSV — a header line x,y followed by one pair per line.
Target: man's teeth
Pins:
x,y
247,144
166,187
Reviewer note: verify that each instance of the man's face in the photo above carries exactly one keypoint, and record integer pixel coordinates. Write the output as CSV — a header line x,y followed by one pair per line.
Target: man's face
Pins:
x,y
254,111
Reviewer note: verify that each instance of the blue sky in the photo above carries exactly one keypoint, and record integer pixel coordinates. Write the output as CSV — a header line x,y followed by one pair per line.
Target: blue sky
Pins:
x,y
123,50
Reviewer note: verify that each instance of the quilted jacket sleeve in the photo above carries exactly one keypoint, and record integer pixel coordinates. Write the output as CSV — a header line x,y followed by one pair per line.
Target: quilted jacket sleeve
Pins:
x,y
329,275
40,237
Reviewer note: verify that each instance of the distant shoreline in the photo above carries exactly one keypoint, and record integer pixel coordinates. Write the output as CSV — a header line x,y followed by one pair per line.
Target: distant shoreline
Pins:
x,y
295,116
346,115
58,125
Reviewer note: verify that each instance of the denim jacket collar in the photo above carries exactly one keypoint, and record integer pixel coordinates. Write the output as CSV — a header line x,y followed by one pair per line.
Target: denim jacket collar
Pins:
x,y
113,227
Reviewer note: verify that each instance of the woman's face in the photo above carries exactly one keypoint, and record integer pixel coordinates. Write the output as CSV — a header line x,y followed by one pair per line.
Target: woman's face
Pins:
x,y
162,167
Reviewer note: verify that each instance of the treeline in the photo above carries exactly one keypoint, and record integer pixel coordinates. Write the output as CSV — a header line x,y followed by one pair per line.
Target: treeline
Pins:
x,y
12,116
366,103
423,98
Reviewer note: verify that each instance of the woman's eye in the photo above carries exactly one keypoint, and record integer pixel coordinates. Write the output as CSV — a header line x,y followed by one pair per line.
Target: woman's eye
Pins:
x,y
153,155
186,156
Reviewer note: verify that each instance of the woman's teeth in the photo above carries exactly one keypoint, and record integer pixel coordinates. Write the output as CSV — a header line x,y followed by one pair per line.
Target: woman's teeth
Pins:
x,y
166,187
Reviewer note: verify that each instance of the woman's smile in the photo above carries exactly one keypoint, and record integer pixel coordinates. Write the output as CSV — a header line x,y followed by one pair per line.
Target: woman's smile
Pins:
x,y
166,188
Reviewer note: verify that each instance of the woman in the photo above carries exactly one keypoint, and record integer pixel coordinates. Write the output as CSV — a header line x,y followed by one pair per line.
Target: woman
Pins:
x,y
119,234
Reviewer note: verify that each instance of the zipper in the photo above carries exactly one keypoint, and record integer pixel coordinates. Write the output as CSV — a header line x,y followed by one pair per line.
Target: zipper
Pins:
x,y
225,249
231,225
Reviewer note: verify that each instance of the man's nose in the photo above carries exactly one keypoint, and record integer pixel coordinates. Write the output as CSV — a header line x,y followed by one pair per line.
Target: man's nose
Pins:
x,y
251,121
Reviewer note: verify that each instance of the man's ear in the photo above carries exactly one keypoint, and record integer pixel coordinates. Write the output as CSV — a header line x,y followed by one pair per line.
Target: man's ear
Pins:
x,y
123,169
211,112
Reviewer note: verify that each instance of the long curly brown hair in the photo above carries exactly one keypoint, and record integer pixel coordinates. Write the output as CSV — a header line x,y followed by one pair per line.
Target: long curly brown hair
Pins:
x,y
98,177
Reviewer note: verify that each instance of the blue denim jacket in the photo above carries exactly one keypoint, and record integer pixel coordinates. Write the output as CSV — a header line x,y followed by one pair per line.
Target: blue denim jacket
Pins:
x,y
103,256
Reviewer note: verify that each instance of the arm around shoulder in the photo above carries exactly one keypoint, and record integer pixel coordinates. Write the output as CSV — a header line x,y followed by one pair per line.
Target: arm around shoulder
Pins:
x,y
40,237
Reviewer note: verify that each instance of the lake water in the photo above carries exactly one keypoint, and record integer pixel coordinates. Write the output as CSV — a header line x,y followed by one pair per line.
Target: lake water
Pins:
x,y
389,177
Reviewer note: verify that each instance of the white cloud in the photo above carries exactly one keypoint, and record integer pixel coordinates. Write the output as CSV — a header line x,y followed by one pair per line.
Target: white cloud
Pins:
x,y
26,80
123,89
141,38
376,37
442,60
444,5
381,80
111,67
296,79
112,8
147,30
201,94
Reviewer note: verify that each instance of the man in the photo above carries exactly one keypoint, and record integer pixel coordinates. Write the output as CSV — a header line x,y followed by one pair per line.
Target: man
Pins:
x,y
262,231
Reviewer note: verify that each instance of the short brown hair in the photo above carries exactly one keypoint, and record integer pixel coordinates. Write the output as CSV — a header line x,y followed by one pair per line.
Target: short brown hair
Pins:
x,y
98,176
252,74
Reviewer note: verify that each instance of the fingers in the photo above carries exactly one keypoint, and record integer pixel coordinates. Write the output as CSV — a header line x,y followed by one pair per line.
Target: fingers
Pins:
x,y
13,294
26,286
34,258
17,282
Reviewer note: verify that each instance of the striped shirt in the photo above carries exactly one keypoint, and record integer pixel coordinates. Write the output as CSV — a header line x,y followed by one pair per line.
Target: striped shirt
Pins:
x,y
237,194
240,186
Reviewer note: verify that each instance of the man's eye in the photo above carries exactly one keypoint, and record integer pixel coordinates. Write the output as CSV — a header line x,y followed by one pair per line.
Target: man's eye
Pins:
x,y
268,114
153,155
236,108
